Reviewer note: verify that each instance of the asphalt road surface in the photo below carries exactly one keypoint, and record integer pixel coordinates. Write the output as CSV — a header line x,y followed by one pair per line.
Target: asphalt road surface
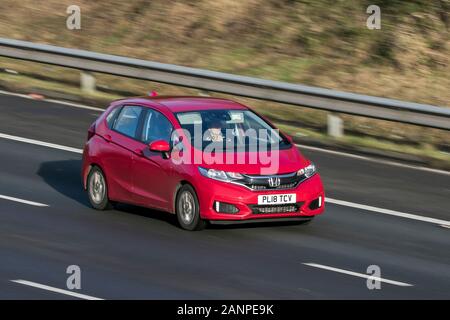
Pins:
x,y
137,253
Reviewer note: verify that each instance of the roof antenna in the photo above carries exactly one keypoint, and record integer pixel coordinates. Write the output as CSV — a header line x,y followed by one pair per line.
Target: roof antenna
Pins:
x,y
153,93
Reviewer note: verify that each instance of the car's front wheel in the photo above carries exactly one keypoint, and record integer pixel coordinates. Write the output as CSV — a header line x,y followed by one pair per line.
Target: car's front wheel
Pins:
x,y
98,190
187,209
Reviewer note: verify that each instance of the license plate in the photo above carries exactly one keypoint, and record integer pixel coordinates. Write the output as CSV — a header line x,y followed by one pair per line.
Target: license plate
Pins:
x,y
277,198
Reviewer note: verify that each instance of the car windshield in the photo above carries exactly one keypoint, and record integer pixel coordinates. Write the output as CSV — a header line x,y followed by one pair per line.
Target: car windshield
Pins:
x,y
239,130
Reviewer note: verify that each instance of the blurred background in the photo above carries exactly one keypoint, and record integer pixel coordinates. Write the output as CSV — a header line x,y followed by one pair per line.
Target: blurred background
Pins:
x,y
321,43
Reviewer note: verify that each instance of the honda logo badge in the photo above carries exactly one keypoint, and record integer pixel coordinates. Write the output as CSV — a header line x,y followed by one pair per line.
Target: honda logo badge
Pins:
x,y
274,182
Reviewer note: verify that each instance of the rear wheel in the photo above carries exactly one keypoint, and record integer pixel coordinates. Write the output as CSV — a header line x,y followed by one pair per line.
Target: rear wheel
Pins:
x,y
98,190
187,209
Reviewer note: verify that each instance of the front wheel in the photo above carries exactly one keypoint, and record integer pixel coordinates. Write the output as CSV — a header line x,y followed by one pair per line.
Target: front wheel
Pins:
x,y
98,190
187,209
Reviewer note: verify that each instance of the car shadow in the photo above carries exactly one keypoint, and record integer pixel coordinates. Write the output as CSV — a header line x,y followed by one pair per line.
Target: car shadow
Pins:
x,y
147,213
255,225
64,176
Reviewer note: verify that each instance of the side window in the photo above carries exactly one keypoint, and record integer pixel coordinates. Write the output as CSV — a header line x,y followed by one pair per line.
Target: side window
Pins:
x,y
177,143
156,127
128,120
112,116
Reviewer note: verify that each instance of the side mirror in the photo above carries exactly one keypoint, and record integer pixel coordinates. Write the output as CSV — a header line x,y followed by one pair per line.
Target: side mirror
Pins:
x,y
159,146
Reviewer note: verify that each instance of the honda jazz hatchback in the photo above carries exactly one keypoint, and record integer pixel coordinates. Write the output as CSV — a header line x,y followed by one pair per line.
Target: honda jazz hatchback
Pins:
x,y
202,159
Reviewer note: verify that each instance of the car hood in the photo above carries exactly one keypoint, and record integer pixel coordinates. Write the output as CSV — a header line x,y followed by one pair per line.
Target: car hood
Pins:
x,y
254,163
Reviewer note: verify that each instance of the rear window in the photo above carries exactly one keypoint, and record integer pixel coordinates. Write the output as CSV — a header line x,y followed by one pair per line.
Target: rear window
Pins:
x,y
111,117
128,120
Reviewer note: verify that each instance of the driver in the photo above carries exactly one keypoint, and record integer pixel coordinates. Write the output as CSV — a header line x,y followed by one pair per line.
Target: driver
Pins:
x,y
214,133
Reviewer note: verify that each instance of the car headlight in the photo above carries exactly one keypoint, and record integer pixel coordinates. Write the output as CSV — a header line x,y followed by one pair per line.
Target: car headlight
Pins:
x,y
308,171
220,175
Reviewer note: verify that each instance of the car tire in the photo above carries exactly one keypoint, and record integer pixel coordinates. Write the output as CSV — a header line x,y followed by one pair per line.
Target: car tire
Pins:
x,y
188,210
98,190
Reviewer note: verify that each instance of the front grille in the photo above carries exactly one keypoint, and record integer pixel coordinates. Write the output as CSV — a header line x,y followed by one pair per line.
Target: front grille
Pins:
x,y
260,183
286,208
280,187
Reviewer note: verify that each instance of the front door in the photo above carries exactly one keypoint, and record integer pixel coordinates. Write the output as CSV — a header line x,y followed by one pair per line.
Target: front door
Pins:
x,y
152,172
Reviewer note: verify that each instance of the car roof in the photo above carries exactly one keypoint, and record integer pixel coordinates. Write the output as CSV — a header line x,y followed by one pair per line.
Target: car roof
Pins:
x,y
187,103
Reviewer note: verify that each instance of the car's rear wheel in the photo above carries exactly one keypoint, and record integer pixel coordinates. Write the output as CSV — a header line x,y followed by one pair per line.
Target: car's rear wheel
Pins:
x,y
98,190
187,209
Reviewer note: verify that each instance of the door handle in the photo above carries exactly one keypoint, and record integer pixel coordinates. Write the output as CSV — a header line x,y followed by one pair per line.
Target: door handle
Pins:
x,y
108,138
139,152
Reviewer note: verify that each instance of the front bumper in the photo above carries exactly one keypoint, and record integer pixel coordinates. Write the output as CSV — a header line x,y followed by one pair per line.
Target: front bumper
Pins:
x,y
209,191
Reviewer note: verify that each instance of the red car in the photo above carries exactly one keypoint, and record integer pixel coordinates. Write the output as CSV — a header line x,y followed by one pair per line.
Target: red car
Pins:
x,y
203,159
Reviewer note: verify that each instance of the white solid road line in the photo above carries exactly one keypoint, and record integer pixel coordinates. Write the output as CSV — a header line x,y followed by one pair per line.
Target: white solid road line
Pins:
x,y
72,104
31,203
387,211
329,200
75,105
40,143
53,289
21,95
360,275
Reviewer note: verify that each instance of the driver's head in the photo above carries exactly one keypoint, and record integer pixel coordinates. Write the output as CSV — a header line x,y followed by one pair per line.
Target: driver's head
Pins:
x,y
215,124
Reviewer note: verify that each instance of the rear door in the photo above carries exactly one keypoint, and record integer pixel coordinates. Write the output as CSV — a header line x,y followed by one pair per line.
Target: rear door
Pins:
x,y
121,141
152,172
